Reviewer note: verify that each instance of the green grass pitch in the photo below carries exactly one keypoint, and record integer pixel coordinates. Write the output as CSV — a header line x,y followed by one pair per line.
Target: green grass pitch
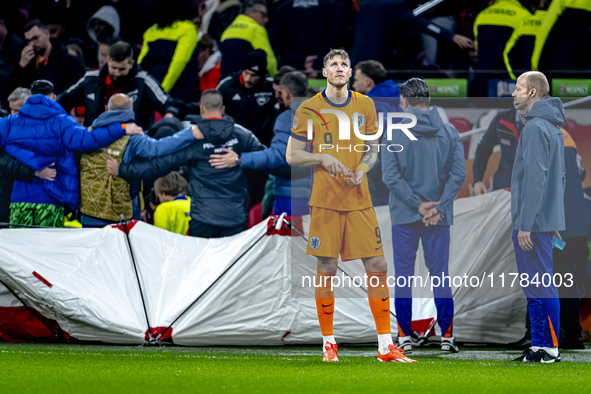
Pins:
x,y
99,369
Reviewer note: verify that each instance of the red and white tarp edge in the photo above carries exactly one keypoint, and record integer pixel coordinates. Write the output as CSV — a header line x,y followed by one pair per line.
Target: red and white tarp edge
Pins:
x,y
94,294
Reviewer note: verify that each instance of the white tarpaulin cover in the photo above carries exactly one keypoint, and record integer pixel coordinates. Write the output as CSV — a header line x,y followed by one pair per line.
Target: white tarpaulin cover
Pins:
x,y
84,280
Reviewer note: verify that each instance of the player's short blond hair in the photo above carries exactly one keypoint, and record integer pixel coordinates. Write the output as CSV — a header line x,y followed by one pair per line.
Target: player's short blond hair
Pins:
x,y
336,52
537,80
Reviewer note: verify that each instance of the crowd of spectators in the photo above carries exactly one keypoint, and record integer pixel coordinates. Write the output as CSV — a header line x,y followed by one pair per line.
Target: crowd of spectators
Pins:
x,y
149,63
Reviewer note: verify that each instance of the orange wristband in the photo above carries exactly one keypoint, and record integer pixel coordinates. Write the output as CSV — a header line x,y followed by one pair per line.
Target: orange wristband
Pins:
x,y
124,126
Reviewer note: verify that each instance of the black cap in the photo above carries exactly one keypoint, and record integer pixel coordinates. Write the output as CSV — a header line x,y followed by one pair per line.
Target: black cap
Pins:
x,y
42,86
256,61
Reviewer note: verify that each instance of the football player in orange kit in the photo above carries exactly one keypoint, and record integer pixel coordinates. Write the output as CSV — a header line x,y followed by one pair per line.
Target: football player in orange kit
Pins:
x,y
343,221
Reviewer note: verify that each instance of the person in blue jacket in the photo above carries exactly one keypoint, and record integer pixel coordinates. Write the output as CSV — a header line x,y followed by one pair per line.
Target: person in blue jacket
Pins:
x,y
43,134
537,208
424,178
370,79
292,184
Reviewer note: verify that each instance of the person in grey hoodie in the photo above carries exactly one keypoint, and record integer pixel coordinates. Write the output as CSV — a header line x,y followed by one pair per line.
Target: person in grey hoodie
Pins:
x,y
103,24
424,178
537,209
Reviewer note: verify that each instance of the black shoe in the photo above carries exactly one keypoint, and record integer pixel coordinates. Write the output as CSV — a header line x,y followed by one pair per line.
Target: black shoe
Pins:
x,y
546,358
572,344
407,345
523,343
448,346
529,356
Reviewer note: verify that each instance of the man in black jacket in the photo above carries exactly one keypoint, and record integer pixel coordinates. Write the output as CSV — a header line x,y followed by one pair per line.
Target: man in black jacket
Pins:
x,y
119,75
249,96
249,99
504,131
43,58
218,196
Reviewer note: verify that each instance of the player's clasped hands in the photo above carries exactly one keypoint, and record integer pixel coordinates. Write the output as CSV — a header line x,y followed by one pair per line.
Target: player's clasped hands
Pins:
x,y
354,179
334,166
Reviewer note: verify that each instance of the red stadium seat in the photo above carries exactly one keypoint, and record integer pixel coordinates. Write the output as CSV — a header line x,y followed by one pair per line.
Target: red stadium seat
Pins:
x,y
255,215
570,124
462,125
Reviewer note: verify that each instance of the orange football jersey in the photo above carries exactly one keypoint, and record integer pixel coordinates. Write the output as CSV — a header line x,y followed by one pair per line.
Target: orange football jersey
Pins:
x,y
328,192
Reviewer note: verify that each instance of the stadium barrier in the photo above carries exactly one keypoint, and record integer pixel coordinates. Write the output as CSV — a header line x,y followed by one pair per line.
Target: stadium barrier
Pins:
x,y
240,290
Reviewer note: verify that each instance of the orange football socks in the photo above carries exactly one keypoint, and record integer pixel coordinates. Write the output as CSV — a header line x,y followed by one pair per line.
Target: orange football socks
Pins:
x,y
324,301
379,300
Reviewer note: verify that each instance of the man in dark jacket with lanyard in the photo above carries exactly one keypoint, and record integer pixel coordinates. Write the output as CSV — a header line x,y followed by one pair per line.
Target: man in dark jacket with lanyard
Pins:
x,y
249,99
218,196
119,75
537,209
422,192
292,184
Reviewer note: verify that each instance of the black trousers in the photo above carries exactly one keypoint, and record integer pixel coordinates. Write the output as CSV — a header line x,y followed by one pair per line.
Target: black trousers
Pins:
x,y
202,230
